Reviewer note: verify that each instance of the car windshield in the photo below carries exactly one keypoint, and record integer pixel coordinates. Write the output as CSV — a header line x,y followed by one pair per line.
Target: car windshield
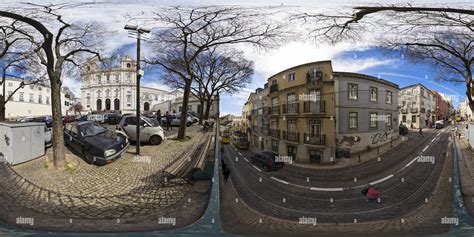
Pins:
x,y
153,122
91,129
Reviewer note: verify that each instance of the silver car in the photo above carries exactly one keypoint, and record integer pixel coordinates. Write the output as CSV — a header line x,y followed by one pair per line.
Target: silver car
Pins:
x,y
176,120
150,130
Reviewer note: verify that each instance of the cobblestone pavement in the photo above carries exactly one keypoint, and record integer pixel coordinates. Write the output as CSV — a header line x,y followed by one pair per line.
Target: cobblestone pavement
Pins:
x,y
125,188
238,217
466,172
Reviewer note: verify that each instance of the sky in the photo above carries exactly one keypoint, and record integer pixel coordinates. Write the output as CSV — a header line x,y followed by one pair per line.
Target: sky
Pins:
x,y
351,57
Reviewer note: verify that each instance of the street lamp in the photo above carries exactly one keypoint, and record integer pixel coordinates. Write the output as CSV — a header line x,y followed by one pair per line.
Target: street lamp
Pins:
x,y
137,32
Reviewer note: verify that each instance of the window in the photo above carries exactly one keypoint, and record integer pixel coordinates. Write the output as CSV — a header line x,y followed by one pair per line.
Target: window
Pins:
x,y
47,100
373,94
40,88
353,120
21,96
274,145
413,118
315,128
292,125
88,100
108,78
32,98
373,120
389,95
116,93
47,90
404,118
131,121
274,82
98,79
129,98
291,76
117,79
353,91
422,92
389,120
40,99
10,84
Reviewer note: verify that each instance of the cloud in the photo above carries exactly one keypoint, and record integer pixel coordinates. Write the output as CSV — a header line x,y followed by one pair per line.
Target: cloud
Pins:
x,y
358,65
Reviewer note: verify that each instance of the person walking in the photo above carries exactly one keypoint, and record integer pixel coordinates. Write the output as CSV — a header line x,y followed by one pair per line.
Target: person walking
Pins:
x,y
420,133
168,121
226,174
158,116
224,166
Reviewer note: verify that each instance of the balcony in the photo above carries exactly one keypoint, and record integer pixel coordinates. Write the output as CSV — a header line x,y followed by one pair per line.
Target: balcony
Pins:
x,y
291,136
422,110
314,77
273,88
414,110
315,139
291,108
274,110
314,107
274,133
404,111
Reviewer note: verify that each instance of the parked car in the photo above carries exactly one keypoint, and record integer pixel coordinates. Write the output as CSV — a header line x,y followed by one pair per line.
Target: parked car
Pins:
x,y
25,119
94,142
48,120
176,120
439,124
81,118
193,118
266,160
111,118
68,119
48,136
150,130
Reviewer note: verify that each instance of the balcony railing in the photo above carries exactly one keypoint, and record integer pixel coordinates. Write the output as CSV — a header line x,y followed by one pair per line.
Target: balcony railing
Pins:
x,y
314,77
404,111
291,136
315,139
273,88
274,133
291,108
274,110
422,110
414,110
314,107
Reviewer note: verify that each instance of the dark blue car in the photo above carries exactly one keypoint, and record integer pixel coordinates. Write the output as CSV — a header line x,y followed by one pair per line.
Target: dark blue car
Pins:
x,y
95,143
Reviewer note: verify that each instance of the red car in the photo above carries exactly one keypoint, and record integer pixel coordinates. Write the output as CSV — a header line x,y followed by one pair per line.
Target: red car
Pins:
x,y
68,119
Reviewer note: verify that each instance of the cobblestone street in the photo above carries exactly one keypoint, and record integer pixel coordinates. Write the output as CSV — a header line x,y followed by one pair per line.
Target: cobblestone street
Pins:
x,y
128,187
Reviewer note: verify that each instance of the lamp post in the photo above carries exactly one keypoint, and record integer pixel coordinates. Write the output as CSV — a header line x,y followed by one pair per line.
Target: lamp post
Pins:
x,y
137,32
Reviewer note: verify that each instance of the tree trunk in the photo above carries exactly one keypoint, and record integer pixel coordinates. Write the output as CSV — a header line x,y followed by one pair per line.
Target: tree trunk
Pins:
x,y
469,89
201,114
184,110
58,136
208,108
2,108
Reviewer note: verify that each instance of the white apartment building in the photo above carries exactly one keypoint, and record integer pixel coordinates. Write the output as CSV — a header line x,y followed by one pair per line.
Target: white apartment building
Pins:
x,y
417,106
32,100
465,111
114,89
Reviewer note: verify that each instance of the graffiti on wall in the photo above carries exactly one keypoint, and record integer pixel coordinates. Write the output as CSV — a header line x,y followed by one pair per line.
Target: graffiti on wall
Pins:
x,y
381,137
349,140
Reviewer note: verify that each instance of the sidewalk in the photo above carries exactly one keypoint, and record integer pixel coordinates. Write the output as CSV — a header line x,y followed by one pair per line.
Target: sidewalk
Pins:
x,y
466,173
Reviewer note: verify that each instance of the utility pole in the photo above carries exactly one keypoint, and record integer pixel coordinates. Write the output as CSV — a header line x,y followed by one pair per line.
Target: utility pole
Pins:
x,y
137,32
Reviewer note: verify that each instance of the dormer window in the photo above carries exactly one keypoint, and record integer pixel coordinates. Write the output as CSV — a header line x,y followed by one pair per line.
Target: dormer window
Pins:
x,y
129,65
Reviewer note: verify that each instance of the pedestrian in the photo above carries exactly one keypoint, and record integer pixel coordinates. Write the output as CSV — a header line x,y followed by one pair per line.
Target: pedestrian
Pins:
x,y
420,133
372,194
169,118
226,174
224,166
158,116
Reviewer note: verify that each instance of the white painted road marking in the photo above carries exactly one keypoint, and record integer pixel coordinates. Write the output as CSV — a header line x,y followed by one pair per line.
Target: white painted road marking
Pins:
x,y
424,149
279,180
240,153
411,162
326,189
381,180
257,168
246,159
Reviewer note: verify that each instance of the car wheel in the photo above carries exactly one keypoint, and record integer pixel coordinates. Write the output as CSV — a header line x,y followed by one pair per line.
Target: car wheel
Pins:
x,y
189,124
155,140
88,157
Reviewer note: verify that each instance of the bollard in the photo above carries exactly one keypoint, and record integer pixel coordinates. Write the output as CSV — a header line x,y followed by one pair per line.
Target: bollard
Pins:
x,y
359,157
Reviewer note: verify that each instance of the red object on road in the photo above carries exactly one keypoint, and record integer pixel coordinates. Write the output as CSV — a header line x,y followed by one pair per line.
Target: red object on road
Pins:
x,y
373,193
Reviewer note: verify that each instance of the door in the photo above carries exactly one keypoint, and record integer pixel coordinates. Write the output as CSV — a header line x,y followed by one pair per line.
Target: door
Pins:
x,y
74,139
292,152
107,104
116,104
99,104
131,128
314,157
146,106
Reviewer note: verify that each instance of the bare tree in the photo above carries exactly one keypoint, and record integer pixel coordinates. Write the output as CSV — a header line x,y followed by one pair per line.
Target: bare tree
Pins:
x,y
441,36
217,71
62,45
188,33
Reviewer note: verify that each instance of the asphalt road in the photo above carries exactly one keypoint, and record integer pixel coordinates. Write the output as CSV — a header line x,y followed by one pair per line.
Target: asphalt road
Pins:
x,y
334,196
